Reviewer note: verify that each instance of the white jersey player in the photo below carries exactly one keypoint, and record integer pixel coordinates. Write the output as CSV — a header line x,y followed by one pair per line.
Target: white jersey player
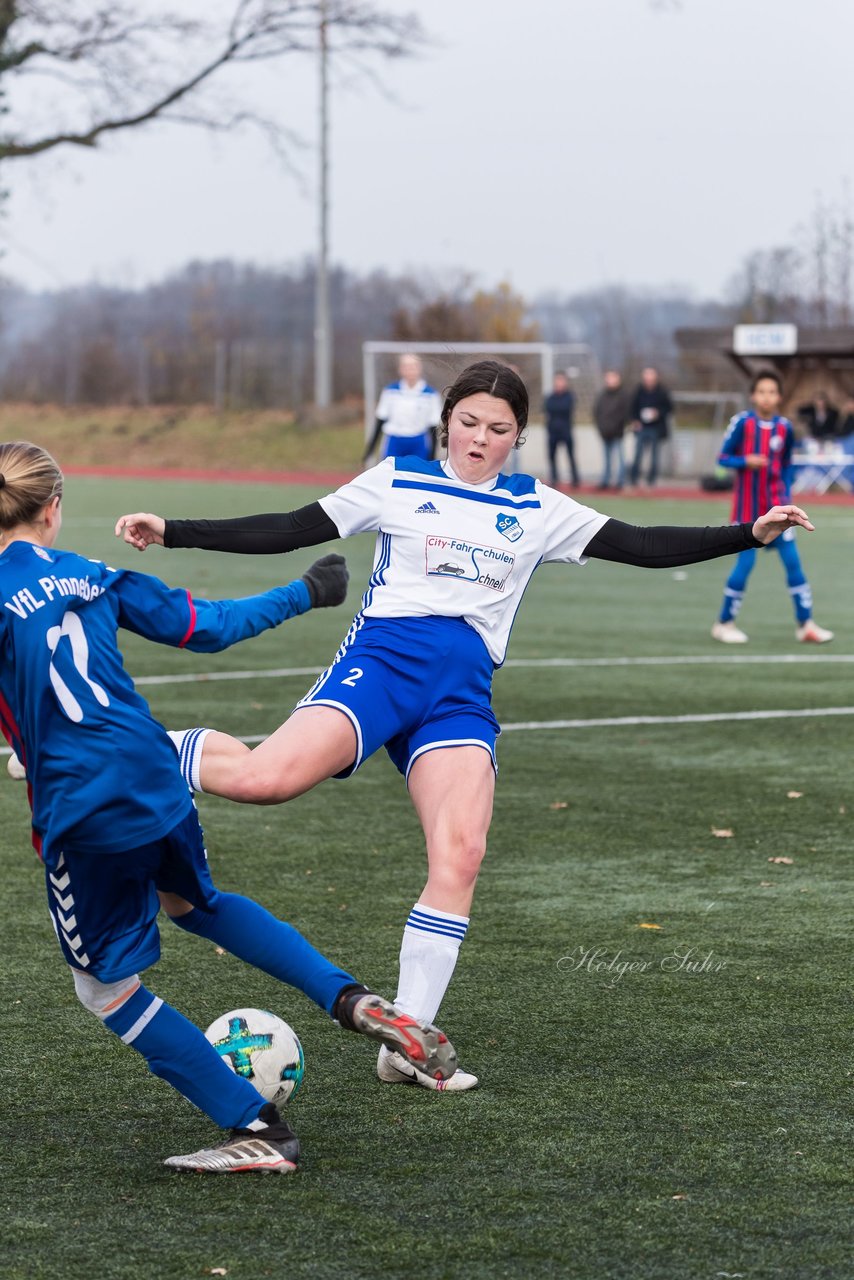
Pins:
x,y
407,413
457,543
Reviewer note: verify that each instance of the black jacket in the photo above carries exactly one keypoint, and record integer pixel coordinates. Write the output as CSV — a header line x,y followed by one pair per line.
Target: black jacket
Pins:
x,y
656,403
611,412
559,408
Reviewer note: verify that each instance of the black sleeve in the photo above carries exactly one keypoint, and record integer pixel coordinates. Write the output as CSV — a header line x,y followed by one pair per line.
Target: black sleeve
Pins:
x,y
372,443
665,546
255,535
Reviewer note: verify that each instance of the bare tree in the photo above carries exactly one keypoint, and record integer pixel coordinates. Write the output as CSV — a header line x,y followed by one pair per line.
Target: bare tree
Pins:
x,y
118,66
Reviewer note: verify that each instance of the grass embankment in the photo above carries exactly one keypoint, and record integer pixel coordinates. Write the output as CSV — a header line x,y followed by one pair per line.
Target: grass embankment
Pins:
x,y
188,436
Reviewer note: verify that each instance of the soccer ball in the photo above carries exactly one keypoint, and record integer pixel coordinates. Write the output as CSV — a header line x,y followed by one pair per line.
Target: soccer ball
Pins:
x,y
262,1048
15,769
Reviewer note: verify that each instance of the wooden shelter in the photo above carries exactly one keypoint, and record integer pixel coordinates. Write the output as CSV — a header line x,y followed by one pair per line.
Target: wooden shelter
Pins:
x,y
808,360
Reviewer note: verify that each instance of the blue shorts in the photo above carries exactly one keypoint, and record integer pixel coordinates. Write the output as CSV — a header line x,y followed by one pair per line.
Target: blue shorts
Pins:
x,y
104,905
408,446
410,685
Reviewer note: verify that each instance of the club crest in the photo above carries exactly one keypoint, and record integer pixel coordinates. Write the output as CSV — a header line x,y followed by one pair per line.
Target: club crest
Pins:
x,y
509,527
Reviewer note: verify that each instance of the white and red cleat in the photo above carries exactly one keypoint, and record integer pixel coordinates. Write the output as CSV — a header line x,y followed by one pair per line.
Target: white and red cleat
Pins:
x,y
811,633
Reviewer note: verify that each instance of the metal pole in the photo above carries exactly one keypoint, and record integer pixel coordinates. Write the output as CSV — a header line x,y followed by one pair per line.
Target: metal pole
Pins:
x,y
322,329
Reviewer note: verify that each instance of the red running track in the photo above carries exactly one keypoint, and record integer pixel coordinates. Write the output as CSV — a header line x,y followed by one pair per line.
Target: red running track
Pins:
x,y
332,479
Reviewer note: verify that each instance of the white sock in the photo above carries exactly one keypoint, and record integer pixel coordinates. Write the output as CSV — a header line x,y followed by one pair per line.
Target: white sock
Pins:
x,y
428,954
189,743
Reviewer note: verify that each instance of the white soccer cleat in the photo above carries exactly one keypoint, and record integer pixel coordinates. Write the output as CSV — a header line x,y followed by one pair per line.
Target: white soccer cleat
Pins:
x,y
15,769
393,1069
811,633
728,633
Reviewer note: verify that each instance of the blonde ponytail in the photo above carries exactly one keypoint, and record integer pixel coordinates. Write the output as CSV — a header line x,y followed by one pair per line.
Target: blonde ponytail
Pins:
x,y
29,479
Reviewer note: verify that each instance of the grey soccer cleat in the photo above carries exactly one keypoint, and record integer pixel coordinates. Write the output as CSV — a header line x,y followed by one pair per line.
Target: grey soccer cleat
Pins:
x,y
419,1043
274,1149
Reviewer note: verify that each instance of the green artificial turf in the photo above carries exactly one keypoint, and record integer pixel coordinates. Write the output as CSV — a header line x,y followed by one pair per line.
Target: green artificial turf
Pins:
x,y
638,1118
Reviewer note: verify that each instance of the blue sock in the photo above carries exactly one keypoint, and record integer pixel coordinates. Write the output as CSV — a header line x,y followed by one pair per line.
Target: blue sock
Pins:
x,y
736,584
802,600
731,605
251,933
178,1053
799,588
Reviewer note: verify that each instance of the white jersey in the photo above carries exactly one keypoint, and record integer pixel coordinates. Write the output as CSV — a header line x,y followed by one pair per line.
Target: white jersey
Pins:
x,y
457,550
409,411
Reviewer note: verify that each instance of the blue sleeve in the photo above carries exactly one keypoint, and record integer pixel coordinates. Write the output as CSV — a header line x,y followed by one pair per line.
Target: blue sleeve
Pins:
x,y
730,454
170,615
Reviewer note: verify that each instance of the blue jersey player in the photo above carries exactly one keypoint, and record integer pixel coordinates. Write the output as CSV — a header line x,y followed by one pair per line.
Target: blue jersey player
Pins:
x,y
758,449
113,820
457,543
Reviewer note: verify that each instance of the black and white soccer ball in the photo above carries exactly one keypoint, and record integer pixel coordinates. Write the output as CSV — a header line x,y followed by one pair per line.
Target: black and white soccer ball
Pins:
x,y
262,1048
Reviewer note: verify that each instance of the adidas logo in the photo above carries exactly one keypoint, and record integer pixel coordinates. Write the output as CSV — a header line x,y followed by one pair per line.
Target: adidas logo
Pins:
x,y
427,509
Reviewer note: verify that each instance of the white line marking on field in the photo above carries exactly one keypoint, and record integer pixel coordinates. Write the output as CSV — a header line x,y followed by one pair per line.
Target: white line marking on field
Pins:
x,y
204,677
708,718
622,722
683,660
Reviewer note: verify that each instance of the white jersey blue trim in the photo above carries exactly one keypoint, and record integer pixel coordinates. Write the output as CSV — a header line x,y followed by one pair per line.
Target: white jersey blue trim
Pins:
x,y
450,549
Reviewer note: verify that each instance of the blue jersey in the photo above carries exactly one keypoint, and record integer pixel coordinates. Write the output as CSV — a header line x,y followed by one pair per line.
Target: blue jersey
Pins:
x,y
103,774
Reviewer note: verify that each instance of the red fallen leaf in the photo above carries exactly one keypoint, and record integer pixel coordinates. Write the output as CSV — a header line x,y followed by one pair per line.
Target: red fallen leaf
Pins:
x,y
722,833
794,795
786,862
559,804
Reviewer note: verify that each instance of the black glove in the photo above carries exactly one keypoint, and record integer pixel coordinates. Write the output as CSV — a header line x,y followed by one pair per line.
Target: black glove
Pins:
x,y
327,581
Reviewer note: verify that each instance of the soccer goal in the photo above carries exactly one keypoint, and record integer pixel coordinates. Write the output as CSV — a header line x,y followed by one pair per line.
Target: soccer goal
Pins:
x,y
537,363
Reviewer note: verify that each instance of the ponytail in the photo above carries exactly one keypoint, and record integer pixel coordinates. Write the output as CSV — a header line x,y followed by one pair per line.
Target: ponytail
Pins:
x,y
29,479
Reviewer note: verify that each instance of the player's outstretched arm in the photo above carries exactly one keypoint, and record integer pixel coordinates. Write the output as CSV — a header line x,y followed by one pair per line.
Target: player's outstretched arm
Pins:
x,y
171,616
269,534
668,546
778,520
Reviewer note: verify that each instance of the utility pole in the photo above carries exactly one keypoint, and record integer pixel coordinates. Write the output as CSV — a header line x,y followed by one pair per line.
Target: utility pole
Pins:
x,y
322,320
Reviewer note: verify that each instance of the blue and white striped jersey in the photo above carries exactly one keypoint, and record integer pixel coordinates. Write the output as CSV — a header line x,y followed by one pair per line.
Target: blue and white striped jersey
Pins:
x,y
102,773
457,550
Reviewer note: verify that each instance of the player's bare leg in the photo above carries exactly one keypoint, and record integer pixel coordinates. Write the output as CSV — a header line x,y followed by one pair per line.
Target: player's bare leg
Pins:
x,y
314,744
452,789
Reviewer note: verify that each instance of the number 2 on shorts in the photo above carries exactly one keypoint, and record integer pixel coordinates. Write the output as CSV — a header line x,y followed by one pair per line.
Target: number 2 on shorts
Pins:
x,y
356,673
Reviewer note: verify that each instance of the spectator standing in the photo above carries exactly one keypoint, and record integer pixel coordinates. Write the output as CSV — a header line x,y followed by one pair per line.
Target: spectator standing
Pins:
x,y
821,418
846,422
651,410
611,413
407,413
558,409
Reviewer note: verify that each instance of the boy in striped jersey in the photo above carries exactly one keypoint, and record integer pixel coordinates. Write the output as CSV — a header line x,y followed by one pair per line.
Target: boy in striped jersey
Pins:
x,y
758,447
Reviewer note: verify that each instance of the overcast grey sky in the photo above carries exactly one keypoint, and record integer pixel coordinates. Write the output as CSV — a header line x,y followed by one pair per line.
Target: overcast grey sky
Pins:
x,y
555,143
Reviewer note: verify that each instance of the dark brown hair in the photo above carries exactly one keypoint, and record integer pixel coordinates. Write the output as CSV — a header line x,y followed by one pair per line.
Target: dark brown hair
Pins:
x,y
495,379
771,374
